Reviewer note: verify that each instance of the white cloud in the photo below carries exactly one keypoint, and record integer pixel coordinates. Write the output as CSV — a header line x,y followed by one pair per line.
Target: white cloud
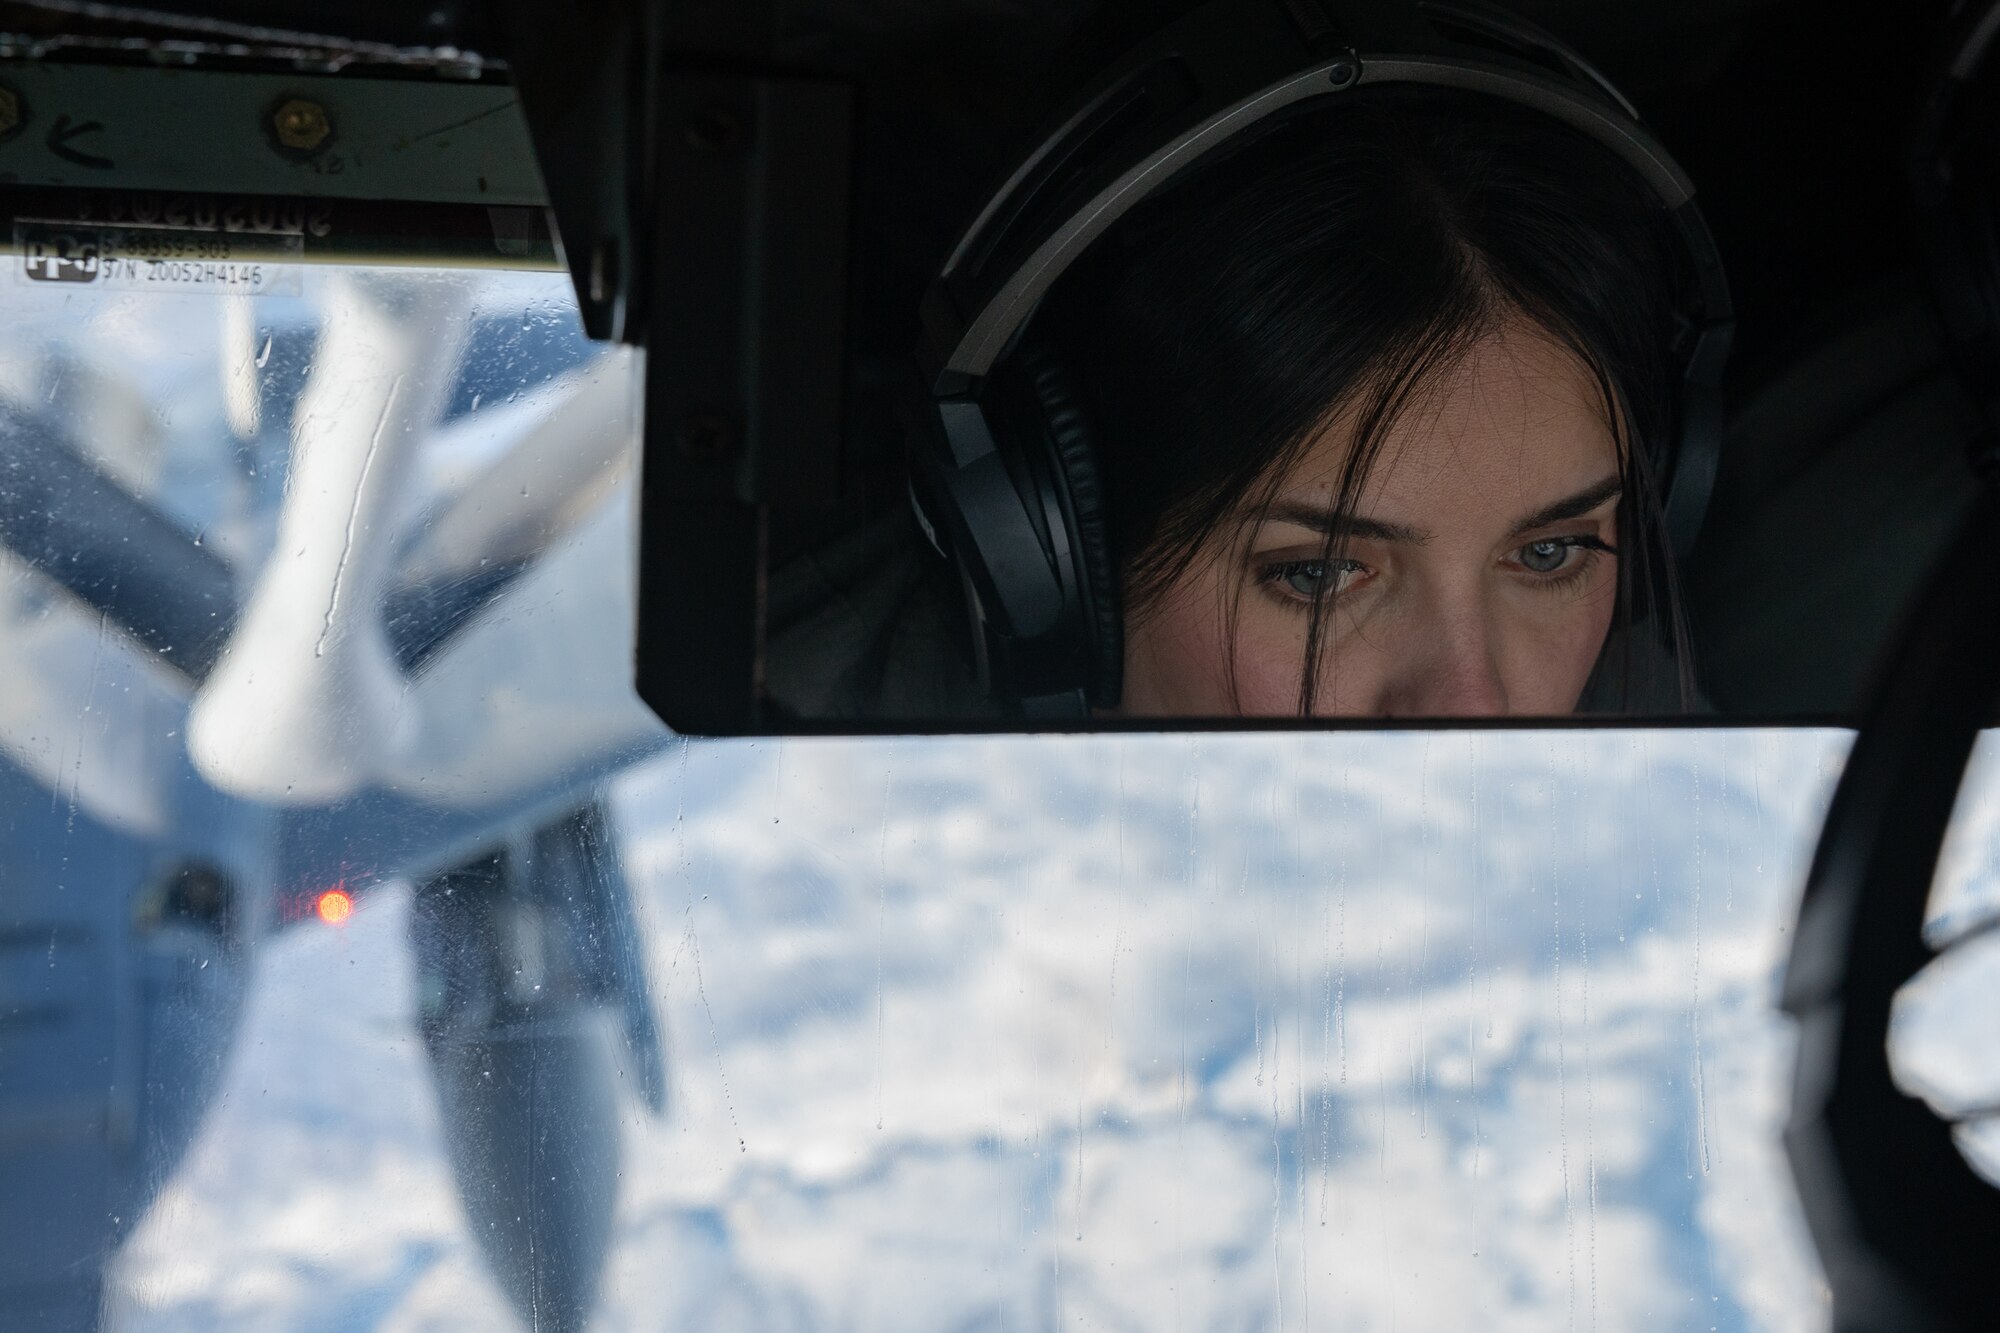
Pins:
x,y
1441,1031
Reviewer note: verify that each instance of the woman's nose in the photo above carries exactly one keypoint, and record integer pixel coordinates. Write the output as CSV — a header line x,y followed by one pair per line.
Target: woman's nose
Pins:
x,y
1450,668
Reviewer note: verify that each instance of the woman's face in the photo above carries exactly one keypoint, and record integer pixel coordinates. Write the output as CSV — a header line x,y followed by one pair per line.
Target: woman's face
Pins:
x,y
1478,576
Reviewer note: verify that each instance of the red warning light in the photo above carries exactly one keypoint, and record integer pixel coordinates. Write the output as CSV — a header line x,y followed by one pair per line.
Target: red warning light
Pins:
x,y
334,906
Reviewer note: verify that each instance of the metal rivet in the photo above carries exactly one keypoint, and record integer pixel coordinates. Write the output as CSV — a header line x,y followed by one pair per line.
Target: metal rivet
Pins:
x,y
1342,73
301,125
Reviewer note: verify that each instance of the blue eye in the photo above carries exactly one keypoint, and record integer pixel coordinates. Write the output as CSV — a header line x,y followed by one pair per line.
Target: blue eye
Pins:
x,y
1546,557
1559,559
1307,579
1311,580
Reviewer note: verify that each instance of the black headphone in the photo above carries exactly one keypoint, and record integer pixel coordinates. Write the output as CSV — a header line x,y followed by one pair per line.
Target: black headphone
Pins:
x,y
1954,185
1017,504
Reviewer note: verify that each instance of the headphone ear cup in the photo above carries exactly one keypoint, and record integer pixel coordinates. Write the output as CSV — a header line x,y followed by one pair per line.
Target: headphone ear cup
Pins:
x,y
1073,457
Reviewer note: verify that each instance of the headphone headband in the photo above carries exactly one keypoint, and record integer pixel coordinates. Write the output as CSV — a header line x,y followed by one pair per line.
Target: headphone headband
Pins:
x,y
1209,80
1956,206
1978,41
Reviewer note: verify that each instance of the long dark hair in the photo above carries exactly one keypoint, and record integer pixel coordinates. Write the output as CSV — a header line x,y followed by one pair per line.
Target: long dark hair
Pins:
x,y
1336,265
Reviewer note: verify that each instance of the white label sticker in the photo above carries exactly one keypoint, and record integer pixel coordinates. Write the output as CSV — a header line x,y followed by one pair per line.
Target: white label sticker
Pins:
x,y
159,259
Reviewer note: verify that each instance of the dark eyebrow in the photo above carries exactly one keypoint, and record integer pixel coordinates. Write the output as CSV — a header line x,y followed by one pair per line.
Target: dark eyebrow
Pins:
x,y
1368,529
1345,525
1574,506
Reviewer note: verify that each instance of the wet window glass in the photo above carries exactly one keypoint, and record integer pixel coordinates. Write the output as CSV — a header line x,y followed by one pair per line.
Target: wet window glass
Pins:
x,y
369,958
1942,1044
299,589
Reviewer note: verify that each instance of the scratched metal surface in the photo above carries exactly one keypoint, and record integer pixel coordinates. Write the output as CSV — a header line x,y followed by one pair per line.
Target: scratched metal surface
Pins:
x,y
90,126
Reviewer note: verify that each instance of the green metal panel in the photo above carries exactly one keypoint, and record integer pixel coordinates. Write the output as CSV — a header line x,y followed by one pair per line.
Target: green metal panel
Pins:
x,y
139,127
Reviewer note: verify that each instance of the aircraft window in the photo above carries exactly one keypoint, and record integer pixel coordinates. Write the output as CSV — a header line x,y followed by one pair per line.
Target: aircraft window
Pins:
x,y
299,590
1424,1030
1941,1045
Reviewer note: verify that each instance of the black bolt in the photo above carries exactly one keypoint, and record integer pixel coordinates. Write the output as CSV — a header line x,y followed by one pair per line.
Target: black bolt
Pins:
x,y
714,129
1342,73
